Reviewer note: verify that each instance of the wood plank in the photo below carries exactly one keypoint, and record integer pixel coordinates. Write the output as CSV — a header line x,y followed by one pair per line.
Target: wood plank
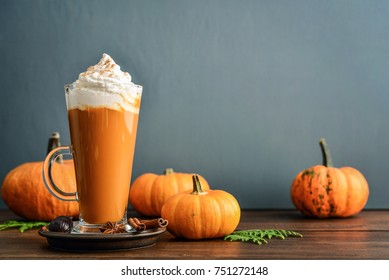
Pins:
x,y
314,245
365,236
294,220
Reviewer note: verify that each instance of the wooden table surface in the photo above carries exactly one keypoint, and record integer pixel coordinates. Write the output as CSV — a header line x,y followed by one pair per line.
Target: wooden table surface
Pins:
x,y
365,236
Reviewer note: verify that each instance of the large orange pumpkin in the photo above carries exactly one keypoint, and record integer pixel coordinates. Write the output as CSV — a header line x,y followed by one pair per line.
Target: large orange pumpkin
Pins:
x,y
199,214
24,191
324,191
149,191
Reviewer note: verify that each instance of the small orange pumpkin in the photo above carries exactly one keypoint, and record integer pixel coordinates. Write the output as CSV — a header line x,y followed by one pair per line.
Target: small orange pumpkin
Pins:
x,y
324,191
200,214
149,191
25,193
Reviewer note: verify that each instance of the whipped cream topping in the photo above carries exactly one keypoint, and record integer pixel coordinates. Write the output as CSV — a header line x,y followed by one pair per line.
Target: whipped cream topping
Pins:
x,y
104,85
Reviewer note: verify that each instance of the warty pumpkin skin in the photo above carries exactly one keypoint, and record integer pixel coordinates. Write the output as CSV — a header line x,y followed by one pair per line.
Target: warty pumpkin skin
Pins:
x,y
25,193
149,191
199,214
324,191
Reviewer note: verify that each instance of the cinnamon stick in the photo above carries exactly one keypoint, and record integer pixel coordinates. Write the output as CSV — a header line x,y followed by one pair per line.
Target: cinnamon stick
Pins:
x,y
142,225
155,223
136,224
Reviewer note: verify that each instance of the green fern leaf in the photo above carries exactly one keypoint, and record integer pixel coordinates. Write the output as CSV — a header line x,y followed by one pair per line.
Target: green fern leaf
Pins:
x,y
23,226
260,236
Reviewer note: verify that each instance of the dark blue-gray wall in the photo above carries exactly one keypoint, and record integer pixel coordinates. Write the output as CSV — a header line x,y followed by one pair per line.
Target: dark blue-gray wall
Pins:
x,y
239,91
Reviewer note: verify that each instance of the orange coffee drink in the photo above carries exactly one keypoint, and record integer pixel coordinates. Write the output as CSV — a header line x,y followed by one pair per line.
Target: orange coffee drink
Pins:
x,y
103,110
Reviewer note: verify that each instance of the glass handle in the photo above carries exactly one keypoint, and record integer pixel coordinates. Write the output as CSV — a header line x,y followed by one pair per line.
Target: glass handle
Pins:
x,y
48,178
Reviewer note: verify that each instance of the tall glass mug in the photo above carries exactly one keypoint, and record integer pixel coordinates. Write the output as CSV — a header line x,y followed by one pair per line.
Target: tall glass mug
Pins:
x,y
103,135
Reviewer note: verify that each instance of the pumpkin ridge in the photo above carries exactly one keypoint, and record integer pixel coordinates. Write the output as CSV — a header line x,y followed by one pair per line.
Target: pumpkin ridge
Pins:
x,y
339,193
316,180
153,200
233,218
220,212
355,187
328,189
311,176
137,201
198,216
189,213
172,218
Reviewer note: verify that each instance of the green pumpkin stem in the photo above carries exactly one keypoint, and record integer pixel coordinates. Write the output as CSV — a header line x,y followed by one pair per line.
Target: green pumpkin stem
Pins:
x,y
197,188
327,159
168,171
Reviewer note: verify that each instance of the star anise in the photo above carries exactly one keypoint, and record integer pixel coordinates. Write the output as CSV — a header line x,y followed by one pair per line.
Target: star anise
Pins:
x,y
111,228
